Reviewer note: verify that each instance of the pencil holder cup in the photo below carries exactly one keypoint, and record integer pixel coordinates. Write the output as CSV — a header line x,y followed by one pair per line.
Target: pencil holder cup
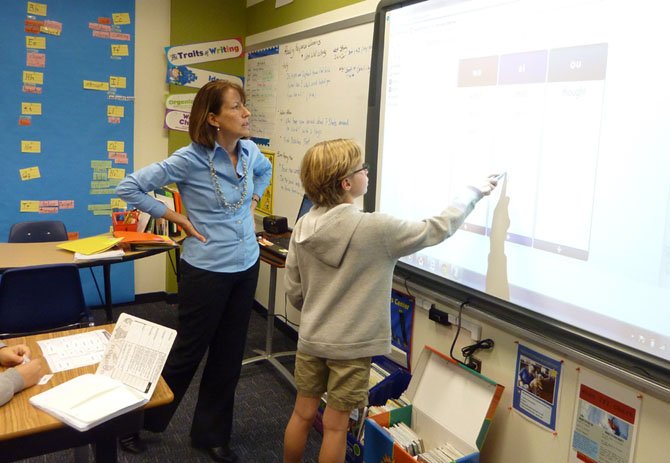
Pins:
x,y
125,220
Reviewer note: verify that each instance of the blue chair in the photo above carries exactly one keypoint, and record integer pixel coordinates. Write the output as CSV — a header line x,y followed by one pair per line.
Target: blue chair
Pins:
x,y
42,299
37,232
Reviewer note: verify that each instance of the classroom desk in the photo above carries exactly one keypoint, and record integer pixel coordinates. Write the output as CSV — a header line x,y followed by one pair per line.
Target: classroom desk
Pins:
x,y
275,262
14,255
26,431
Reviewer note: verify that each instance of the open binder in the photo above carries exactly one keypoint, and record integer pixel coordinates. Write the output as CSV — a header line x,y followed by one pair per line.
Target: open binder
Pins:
x,y
125,379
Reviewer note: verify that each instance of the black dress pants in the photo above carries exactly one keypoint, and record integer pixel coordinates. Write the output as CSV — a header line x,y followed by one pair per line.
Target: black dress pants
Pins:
x,y
214,311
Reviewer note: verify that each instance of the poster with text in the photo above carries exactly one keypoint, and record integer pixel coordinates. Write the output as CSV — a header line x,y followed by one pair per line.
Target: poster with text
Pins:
x,y
402,319
605,424
536,390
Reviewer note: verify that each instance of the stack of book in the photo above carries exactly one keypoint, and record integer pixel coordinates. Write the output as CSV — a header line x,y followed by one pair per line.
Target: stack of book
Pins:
x,y
445,453
142,241
406,438
377,375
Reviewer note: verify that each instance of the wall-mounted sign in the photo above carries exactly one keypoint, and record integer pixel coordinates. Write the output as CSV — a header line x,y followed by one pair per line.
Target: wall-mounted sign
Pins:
x,y
203,52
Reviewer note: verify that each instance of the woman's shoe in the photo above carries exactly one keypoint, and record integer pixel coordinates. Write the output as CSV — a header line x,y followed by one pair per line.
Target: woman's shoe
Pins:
x,y
220,454
132,443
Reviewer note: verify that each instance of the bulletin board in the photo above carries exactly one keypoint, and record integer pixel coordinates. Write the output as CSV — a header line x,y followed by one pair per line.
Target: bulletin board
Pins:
x,y
68,75
303,92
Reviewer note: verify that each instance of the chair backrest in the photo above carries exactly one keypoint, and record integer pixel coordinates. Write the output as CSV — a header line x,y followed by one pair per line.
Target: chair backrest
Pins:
x,y
40,299
37,232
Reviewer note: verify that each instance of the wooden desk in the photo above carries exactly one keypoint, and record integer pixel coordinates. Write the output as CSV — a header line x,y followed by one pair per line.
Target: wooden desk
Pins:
x,y
274,261
26,431
14,255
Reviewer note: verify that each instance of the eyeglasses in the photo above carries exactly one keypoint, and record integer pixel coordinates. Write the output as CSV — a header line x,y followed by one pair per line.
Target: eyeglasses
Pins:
x,y
365,167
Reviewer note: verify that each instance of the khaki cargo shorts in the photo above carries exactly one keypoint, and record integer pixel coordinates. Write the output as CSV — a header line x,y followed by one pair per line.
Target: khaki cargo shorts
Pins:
x,y
346,381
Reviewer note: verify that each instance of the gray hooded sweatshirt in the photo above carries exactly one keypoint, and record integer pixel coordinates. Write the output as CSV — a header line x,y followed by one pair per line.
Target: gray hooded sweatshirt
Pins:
x,y
339,272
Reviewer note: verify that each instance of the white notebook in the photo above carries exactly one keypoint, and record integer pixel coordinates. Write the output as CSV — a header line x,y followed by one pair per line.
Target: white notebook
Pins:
x,y
125,379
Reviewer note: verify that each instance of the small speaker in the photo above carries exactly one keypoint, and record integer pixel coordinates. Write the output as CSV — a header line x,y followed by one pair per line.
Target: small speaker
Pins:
x,y
275,224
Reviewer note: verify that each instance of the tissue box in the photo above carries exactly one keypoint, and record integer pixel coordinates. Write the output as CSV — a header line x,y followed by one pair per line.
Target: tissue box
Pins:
x,y
450,404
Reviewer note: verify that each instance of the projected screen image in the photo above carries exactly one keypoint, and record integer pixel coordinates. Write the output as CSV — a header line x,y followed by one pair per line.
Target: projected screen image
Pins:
x,y
570,99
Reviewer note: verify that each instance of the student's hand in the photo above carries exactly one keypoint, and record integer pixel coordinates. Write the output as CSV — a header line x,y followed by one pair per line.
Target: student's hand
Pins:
x,y
13,355
488,185
31,372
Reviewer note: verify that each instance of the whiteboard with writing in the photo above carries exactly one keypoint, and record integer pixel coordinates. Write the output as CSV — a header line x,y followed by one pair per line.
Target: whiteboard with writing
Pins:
x,y
304,92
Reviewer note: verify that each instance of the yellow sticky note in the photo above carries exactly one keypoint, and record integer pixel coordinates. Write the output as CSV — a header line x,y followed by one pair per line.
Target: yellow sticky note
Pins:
x,y
121,18
31,146
38,9
115,111
39,43
119,49
31,108
115,146
99,165
117,82
33,77
116,173
29,206
95,85
29,173
118,203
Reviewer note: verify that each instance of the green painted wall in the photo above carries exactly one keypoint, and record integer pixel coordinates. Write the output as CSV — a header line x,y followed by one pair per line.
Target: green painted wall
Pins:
x,y
264,16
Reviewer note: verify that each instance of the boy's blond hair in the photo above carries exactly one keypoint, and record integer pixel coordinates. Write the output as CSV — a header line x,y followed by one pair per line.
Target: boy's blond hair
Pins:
x,y
324,167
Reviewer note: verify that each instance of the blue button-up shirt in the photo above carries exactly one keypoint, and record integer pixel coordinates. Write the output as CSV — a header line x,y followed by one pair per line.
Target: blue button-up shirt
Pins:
x,y
231,241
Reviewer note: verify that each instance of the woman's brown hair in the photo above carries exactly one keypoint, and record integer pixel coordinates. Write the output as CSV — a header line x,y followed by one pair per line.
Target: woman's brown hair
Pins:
x,y
209,99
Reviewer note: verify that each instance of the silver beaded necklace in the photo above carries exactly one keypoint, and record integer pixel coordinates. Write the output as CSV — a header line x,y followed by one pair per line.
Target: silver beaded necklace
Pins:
x,y
221,199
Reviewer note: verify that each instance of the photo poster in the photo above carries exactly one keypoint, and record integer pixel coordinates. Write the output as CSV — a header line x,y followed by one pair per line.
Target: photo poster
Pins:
x,y
68,69
535,394
605,423
402,322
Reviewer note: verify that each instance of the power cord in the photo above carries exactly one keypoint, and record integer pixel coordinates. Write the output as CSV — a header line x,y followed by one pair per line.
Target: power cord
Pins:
x,y
469,351
284,316
406,279
458,329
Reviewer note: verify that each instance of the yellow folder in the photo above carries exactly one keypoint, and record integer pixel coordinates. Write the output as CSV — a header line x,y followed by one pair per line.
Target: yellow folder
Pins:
x,y
92,245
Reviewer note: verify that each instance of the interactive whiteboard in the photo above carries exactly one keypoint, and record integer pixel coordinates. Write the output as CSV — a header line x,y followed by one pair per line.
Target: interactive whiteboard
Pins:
x,y
571,100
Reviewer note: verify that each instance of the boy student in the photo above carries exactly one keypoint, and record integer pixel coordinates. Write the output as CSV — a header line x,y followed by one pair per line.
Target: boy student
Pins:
x,y
339,271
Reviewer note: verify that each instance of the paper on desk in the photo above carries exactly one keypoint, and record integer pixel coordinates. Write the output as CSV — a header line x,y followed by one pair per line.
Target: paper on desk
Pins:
x,y
114,254
88,400
125,379
136,353
75,350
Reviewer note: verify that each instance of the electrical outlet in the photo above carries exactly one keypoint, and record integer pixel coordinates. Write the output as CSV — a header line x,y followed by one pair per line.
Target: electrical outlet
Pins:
x,y
475,364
